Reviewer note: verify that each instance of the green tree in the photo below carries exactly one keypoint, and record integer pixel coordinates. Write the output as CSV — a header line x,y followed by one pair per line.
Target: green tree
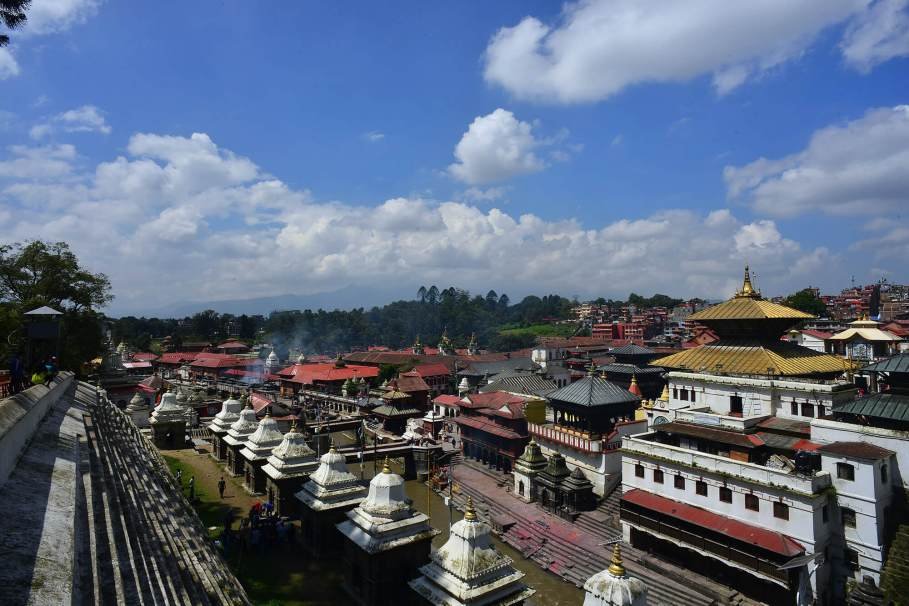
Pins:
x,y
39,273
806,300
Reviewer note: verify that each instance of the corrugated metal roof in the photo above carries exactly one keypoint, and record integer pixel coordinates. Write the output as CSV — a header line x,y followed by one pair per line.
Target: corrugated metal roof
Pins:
x,y
750,357
523,383
593,391
879,405
747,308
629,369
898,364
770,540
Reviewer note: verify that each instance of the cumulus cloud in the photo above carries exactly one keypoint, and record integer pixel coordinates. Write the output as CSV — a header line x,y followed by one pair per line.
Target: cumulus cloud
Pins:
x,y
879,34
857,167
596,48
496,147
8,65
373,136
217,227
52,16
85,119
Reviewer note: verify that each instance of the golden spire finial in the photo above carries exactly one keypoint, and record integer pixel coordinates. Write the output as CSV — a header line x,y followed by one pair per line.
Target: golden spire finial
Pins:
x,y
634,378
615,568
386,466
469,514
747,288
665,395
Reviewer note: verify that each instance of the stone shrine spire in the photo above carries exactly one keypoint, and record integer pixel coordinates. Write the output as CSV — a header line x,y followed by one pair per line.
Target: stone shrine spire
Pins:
x,y
613,586
467,569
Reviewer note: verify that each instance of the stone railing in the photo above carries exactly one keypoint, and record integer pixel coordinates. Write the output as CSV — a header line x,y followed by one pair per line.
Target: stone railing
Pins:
x,y
20,416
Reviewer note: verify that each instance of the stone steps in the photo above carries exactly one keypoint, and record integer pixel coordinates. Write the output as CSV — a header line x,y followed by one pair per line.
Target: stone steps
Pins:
x,y
555,554
159,552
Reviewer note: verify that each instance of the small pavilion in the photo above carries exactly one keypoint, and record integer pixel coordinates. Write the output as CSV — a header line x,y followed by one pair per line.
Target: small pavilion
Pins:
x,y
236,437
257,449
286,469
168,423
230,412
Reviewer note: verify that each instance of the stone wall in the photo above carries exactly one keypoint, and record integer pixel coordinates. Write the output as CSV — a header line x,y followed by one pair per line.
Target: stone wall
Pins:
x,y
20,416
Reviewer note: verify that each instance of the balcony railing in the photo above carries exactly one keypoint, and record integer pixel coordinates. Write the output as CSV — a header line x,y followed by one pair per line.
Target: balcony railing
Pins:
x,y
560,436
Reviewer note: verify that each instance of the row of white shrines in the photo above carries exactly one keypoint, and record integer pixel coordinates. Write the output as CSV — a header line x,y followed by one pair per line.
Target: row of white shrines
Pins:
x,y
384,536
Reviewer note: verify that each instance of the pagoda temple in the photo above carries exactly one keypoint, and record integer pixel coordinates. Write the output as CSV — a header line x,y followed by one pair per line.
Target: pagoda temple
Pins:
x,y
168,423
286,469
613,586
236,437
325,499
468,570
526,468
387,541
749,330
257,449
230,412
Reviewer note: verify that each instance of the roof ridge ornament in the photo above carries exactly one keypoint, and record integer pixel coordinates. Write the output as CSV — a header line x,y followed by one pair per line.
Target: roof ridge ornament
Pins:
x,y
386,466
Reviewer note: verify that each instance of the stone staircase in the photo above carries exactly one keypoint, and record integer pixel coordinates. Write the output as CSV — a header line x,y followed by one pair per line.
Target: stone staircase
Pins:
x,y
147,544
565,559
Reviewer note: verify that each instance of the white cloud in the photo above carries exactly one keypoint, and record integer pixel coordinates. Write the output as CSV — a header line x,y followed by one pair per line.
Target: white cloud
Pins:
x,y
877,35
495,147
85,119
38,162
596,48
857,167
180,218
8,65
480,195
52,16
373,136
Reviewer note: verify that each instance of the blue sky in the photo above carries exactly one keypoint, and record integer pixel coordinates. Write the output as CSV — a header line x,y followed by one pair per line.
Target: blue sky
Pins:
x,y
227,150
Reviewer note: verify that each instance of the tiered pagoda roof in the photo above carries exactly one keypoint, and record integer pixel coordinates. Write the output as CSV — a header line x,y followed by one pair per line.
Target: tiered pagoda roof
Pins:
x,y
332,486
749,328
292,457
242,428
266,437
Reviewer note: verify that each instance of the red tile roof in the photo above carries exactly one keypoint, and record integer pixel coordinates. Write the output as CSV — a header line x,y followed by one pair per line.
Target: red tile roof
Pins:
x,y
769,540
216,360
410,382
481,424
179,357
307,374
856,450
817,334
143,356
447,400
432,370
232,345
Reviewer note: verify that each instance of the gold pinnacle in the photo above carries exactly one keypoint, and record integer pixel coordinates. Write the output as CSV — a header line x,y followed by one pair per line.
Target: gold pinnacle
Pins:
x,y
469,514
386,467
615,568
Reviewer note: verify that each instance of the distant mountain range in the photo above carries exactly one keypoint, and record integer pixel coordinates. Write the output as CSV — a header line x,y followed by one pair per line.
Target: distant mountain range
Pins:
x,y
349,297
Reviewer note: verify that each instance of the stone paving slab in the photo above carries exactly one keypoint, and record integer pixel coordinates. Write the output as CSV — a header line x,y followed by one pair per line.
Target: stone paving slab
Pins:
x,y
38,505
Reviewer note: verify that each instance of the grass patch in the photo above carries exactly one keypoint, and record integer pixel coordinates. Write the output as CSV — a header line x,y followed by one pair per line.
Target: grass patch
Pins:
x,y
210,509
539,330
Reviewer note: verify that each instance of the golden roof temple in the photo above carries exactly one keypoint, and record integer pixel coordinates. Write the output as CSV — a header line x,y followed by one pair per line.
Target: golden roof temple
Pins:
x,y
749,328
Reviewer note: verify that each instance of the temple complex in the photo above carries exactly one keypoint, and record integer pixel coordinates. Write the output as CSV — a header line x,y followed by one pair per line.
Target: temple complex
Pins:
x,y
257,449
168,423
230,412
286,469
468,570
387,541
613,586
324,500
236,437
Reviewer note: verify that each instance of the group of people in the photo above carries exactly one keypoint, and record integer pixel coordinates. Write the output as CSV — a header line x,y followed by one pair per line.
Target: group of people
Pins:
x,y
261,529
42,373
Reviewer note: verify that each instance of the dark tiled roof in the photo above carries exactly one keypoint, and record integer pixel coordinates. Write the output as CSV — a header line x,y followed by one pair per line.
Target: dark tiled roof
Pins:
x,y
880,405
631,350
390,411
858,450
630,369
593,391
479,369
898,364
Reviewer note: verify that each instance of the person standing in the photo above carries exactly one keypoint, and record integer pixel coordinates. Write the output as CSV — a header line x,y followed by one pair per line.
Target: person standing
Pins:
x,y
221,485
192,489
16,373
